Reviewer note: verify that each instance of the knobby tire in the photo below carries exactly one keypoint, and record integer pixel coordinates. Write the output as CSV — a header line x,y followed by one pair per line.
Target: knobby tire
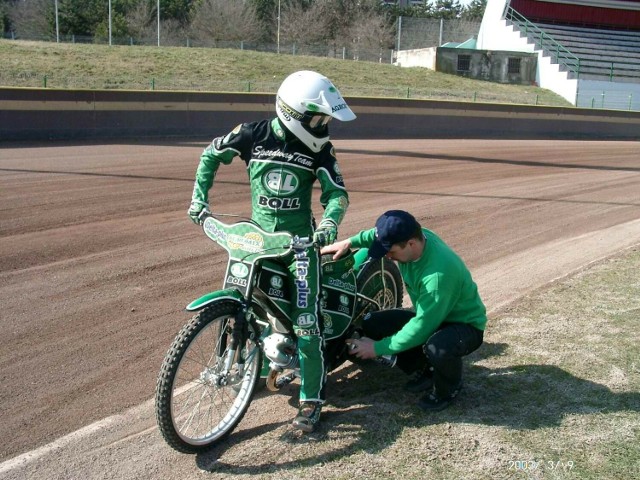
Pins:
x,y
194,408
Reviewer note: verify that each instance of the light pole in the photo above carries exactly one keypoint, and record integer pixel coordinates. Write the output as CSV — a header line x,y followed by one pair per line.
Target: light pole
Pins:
x,y
158,8
57,24
278,33
109,22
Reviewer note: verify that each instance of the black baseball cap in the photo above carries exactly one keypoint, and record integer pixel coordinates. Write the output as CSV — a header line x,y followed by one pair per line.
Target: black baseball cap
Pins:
x,y
393,226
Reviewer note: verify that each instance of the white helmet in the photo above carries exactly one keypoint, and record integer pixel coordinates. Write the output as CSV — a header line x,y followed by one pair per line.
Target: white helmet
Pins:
x,y
306,102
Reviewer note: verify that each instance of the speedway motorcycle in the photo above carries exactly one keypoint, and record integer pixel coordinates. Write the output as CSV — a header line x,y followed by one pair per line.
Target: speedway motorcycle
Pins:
x,y
244,331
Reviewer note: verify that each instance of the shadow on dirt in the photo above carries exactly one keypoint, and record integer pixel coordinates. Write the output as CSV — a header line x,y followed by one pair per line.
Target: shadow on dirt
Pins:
x,y
111,175
177,141
367,410
500,161
378,192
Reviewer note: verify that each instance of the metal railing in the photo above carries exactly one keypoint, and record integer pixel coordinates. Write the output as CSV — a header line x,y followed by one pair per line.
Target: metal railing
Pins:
x,y
608,100
545,41
621,71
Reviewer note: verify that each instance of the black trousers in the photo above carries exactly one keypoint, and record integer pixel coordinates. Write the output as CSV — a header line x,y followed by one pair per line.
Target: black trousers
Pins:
x,y
442,353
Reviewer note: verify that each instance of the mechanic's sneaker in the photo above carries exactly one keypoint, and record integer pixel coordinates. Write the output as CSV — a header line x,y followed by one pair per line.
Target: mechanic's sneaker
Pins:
x,y
308,416
387,360
432,402
420,381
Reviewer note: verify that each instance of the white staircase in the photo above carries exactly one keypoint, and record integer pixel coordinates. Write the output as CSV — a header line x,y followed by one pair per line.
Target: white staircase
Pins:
x,y
608,80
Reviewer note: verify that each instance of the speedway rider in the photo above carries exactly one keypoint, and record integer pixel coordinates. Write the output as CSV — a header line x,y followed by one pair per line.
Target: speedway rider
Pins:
x,y
284,157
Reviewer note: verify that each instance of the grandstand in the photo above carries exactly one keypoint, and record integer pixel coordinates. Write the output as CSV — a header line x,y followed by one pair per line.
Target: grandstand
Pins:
x,y
588,50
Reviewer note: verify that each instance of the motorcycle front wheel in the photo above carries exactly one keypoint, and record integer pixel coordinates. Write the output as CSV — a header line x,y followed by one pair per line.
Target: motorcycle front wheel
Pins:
x,y
203,391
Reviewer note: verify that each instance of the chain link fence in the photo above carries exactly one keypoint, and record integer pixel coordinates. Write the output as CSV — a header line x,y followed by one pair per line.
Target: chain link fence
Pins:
x,y
411,33
350,52
415,33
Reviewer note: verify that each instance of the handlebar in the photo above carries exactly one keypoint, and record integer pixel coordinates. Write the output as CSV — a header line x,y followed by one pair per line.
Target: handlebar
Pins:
x,y
204,213
303,242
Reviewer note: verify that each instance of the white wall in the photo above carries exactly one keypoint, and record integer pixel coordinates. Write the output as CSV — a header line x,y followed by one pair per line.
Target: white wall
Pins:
x,y
550,76
419,57
489,35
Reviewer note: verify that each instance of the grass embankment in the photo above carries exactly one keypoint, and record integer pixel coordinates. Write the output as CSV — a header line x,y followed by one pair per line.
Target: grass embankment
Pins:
x,y
25,64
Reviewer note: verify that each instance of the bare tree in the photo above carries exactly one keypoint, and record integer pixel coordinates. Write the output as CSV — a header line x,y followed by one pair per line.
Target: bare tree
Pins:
x,y
359,26
172,33
368,35
221,20
142,22
303,24
32,18
142,25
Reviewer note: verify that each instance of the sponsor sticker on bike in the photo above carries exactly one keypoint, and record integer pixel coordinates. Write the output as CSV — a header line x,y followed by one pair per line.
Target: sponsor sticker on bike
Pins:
x,y
239,270
250,242
276,281
213,231
328,324
241,282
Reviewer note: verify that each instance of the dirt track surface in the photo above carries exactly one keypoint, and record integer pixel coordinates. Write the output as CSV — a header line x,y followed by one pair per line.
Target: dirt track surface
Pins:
x,y
98,259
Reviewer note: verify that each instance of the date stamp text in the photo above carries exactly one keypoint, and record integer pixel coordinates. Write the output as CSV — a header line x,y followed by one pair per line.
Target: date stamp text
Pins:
x,y
530,465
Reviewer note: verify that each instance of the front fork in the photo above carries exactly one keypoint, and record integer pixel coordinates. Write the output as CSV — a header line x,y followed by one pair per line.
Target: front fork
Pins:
x,y
231,347
231,351
239,334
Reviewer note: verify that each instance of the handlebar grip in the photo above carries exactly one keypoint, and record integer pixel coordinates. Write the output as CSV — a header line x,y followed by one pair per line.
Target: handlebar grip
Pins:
x,y
302,242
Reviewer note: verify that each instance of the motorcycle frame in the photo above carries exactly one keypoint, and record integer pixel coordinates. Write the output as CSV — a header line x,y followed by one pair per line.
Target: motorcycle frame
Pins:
x,y
236,294
254,304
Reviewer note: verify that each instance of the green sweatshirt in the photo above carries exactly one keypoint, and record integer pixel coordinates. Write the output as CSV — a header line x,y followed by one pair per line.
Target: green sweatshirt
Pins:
x,y
441,291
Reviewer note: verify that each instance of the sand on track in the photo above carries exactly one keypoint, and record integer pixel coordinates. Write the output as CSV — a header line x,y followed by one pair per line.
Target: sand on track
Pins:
x,y
98,257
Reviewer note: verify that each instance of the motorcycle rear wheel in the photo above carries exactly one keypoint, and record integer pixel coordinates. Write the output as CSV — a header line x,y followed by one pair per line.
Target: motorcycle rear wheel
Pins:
x,y
198,402
385,287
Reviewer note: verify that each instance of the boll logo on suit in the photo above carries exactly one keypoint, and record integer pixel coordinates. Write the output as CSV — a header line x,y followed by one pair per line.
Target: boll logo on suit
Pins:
x,y
306,320
280,182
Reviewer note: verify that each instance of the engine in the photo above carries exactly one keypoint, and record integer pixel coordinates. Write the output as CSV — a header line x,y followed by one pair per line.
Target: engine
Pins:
x,y
281,350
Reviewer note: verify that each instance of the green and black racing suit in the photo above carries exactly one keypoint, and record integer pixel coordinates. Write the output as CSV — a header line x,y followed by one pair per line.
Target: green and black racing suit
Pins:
x,y
282,171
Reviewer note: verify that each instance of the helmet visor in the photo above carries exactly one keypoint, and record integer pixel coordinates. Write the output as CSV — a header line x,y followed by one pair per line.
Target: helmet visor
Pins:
x,y
317,122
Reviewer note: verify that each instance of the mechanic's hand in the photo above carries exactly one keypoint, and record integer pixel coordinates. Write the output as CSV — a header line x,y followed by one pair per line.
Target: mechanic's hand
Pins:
x,y
195,209
338,249
326,233
363,347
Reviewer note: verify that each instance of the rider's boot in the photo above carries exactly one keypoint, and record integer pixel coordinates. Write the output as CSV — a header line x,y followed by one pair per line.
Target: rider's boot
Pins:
x,y
308,416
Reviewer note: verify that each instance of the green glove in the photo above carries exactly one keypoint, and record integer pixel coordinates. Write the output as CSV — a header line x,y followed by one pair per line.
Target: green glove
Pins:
x,y
326,233
195,209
